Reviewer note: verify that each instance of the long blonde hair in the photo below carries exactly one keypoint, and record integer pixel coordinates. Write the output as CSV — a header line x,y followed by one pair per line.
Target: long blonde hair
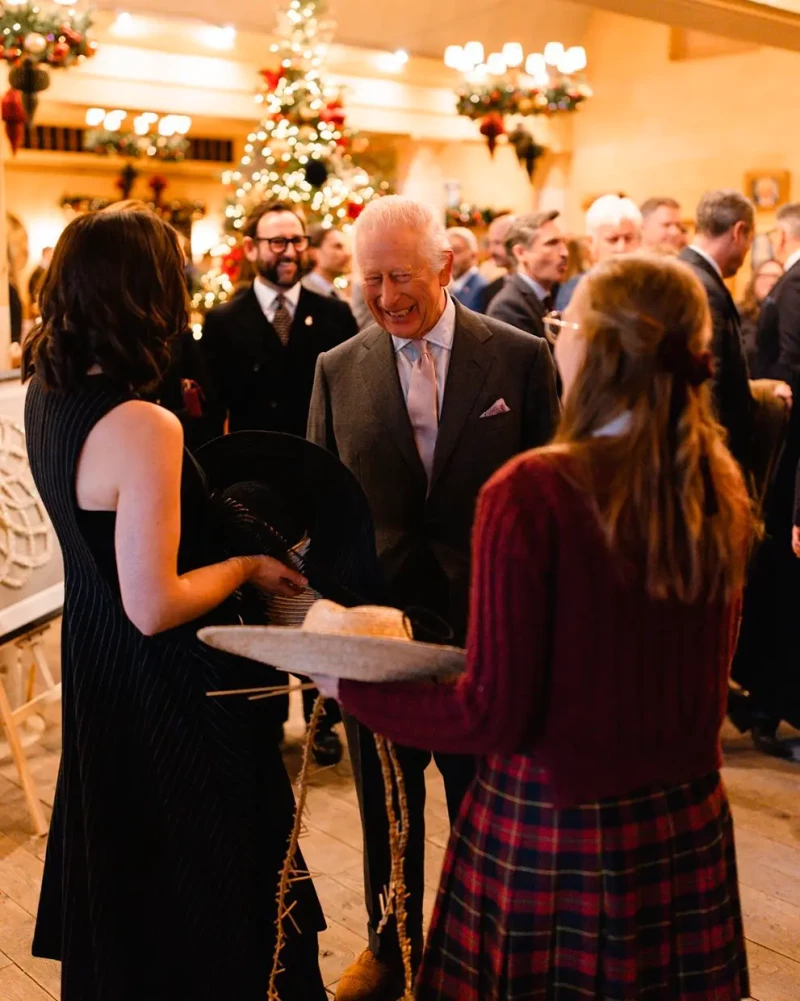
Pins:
x,y
668,494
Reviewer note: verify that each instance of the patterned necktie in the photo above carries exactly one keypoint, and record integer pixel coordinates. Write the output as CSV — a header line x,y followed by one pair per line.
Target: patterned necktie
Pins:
x,y
423,405
282,321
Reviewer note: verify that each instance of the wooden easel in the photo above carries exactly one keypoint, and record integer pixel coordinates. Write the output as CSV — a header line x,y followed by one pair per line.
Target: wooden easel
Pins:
x,y
10,719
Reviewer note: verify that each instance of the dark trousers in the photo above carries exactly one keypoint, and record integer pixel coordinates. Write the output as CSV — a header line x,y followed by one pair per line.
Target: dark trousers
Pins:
x,y
458,772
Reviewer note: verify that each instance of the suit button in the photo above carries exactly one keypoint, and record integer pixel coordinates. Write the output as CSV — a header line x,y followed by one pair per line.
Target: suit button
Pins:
x,y
273,404
257,368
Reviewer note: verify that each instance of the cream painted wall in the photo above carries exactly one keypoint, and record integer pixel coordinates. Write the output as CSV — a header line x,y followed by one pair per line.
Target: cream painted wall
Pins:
x,y
678,128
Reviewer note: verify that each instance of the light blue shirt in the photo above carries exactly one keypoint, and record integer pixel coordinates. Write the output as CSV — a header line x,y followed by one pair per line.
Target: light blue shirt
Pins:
x,y
440,341
540,290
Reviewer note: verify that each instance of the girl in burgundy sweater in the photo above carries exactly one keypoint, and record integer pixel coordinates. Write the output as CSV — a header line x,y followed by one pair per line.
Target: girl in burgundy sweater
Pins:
x,y
594,855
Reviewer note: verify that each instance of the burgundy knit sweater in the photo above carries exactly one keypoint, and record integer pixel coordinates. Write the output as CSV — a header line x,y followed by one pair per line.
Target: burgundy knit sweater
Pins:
x,y
568,661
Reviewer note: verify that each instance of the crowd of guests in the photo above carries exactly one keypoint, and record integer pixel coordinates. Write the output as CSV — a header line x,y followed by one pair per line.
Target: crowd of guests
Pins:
x,y
568,465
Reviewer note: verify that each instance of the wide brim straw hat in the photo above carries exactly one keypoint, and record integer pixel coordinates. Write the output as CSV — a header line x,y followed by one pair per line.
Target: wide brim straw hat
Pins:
x,y
366,643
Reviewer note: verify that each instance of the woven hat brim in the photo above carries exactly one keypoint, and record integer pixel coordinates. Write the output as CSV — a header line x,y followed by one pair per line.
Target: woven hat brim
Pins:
x,y
355,658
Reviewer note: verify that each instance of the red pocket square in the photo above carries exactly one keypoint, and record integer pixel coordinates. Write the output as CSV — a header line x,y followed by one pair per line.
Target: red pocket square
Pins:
x,y
500,407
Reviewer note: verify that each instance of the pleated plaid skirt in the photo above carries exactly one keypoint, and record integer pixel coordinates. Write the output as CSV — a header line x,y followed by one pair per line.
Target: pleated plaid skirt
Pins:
x,y
632,899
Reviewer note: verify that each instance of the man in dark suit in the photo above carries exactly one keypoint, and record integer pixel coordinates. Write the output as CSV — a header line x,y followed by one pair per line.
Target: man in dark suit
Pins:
x,y
538,246
499,228
468,283
779,325
260,351
724,232
423,406
262,346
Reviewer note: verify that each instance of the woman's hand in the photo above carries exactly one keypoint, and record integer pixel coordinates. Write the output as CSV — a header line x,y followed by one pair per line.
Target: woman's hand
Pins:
x,y
273,577
796,541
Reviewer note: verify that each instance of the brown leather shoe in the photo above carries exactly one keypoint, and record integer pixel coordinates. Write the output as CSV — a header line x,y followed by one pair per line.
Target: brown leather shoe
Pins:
x,y
369,979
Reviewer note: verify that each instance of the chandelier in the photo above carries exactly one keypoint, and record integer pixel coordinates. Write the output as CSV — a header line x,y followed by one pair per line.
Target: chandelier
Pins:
x,y
507,83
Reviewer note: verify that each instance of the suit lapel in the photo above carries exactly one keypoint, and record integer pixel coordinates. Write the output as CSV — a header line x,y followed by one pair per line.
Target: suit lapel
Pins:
x,y
302,331
469,365
532,299
380,375
692,257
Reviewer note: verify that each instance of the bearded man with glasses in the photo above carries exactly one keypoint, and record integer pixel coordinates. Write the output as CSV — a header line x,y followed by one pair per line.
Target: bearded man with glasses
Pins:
x,y
261,351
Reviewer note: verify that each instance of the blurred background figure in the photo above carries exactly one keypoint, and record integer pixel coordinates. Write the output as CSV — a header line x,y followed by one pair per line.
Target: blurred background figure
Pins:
x,y
330,251
468,283
36,279
762,281
580,257
614,227
661,225
498,234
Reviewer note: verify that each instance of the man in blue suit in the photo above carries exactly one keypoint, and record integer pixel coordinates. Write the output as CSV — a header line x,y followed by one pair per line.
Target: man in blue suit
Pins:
x,y
468,283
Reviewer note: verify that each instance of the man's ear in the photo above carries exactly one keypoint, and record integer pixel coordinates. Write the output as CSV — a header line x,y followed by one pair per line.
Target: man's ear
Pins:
x,y
250,248
447,269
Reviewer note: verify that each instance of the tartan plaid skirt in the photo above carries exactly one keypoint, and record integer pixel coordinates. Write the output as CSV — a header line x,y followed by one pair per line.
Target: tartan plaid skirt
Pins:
x,y
632,899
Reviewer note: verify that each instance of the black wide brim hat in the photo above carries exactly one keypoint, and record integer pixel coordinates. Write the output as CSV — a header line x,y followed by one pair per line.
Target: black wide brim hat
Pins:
x,y
270,489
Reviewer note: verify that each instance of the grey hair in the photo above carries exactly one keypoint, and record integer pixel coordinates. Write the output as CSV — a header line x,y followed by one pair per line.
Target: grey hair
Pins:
x,y
719,211
611,210
789,219
525,229
393,211
466,235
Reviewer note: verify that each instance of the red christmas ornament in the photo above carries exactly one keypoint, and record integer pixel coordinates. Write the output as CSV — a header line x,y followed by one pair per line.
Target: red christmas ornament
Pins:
x,y
60,50
333,112
492,126
13,117
71,35
354,210
232,263
273,77
157,183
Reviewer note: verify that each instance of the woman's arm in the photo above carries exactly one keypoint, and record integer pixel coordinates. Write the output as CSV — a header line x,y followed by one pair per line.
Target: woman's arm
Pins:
x,y
495,704
133,465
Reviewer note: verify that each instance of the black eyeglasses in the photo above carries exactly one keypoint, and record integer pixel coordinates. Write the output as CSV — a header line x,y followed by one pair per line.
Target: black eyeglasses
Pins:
x,y
277,244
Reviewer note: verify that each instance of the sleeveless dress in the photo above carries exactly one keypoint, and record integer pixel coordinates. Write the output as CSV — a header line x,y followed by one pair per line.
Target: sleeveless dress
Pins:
x,y
172,809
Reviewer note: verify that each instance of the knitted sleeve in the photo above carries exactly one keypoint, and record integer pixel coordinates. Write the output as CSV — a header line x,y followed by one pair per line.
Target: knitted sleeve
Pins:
x,y
495,704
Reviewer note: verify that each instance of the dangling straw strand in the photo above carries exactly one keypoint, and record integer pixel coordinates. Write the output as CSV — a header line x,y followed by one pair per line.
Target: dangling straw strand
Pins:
x,y
288,871
398,839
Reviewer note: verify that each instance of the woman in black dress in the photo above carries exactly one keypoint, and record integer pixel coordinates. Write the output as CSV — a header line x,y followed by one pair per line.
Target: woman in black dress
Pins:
x,y
173,810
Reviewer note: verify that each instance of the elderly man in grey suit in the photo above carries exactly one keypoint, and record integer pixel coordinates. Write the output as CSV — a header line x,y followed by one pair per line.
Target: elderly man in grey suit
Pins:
x,y
423,407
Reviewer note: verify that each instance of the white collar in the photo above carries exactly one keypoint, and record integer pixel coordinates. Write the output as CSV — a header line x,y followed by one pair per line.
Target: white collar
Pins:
x,y
706,257
267,295
317,282
618,425
459,283
791,260
441,334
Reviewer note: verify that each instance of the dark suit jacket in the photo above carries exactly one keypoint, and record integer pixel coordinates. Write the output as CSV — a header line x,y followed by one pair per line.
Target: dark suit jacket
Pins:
x,y
519,305
730,386
358,412
255,381
471,295
778,337
490,291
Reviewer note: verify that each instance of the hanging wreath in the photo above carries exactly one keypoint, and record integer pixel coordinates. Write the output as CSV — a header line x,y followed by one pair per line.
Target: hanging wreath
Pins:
x,y
53,37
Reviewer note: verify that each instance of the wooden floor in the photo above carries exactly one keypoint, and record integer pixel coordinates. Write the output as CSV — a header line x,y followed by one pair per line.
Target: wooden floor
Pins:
x,y
766,801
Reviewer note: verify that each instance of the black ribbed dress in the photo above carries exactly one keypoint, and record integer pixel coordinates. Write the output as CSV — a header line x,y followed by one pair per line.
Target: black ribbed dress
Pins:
x,y
172,810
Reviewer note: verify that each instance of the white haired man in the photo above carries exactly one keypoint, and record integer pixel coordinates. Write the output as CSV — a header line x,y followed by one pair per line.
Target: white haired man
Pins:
x,y
423,407
468,283
614,227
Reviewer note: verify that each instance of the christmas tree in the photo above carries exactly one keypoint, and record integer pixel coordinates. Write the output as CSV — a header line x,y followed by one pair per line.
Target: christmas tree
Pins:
x,y
302,151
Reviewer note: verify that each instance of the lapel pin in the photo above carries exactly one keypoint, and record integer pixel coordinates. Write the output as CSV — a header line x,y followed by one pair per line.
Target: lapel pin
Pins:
x,y
309,321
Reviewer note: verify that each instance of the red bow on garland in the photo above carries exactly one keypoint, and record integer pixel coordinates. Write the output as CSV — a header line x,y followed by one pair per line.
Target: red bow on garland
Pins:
x,y
273,77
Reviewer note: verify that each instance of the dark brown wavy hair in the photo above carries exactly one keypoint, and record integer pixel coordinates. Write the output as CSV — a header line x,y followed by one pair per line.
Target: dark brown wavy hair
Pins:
x,y
669,496
114,297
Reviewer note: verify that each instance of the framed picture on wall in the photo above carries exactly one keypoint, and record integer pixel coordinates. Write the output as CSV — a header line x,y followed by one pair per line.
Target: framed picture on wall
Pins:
x,y
767,189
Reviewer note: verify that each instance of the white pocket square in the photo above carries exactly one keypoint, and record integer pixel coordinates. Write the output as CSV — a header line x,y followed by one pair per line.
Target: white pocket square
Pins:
x,y
500,407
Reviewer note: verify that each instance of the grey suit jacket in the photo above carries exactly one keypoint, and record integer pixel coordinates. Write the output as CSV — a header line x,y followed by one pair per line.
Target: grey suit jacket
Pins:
x,y
517,303
358,412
